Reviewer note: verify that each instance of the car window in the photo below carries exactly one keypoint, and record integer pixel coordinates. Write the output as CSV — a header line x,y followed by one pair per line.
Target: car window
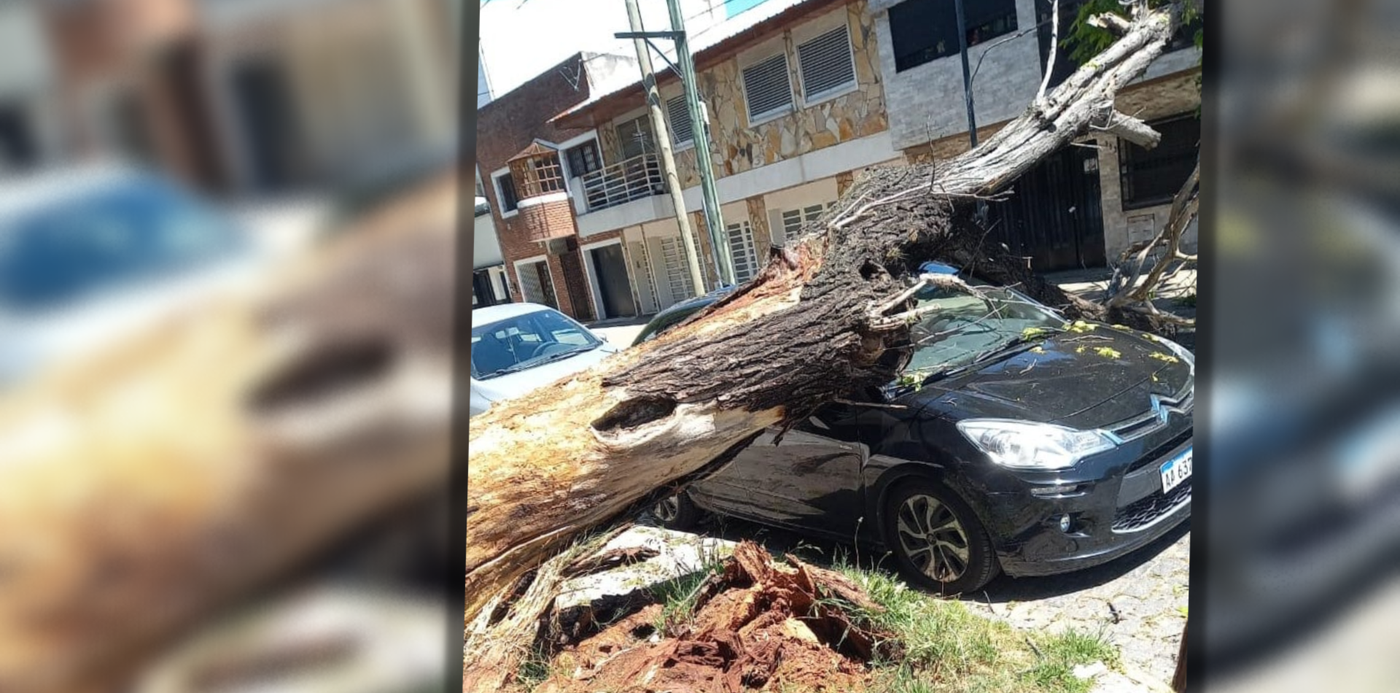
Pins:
x,y
134,232
525,341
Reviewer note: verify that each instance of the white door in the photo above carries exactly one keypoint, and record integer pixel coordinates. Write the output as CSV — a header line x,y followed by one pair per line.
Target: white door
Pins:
x,y
742,251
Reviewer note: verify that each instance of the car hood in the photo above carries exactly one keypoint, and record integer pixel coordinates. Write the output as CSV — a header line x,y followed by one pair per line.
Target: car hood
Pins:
x,y
1083,379
519,383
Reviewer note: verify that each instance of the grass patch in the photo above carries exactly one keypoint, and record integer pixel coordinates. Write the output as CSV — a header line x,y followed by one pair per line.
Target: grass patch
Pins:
x,y
948,647
534,670
677,597
1059,654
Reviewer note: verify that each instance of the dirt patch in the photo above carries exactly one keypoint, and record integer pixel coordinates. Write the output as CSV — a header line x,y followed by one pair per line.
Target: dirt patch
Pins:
x,y
755,626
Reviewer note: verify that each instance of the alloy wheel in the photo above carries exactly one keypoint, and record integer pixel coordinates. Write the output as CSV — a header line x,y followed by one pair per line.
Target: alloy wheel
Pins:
x,y
932,538
668,510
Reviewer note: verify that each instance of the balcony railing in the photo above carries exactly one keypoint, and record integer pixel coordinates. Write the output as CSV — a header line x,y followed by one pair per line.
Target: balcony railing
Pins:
x,y
623,182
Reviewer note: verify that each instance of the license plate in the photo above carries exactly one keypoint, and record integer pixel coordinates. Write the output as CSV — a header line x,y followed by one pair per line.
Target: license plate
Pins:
x,y
1175,471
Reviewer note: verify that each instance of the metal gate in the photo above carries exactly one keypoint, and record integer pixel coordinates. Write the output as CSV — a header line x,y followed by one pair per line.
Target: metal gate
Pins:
x,y
1054,215
677,270
536,285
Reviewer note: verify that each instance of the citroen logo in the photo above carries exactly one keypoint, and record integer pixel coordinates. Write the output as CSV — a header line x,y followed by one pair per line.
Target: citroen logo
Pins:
x,y
1162,407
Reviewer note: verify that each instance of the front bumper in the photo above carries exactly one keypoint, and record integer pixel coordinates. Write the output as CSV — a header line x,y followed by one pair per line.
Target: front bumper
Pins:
x,y
1117,507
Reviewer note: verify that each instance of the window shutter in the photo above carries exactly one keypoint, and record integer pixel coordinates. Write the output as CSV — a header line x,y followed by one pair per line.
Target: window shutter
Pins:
x,y
792,226
767,88
795,219
825,63
679,112
742,251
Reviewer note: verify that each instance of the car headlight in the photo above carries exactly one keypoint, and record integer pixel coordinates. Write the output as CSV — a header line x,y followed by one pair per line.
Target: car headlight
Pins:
x,y
1028,445
1180,352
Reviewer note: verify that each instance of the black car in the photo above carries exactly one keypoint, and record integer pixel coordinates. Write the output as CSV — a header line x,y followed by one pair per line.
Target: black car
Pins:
x,y
1014,441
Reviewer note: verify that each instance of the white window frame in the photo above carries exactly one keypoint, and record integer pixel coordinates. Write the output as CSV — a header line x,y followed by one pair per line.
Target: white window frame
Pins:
x,y
805,34
594,287
780,227
500,197
744,226
568,144
767,51
532,260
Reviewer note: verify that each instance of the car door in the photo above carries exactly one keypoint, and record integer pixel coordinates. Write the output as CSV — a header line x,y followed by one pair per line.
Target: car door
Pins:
x,y
810,481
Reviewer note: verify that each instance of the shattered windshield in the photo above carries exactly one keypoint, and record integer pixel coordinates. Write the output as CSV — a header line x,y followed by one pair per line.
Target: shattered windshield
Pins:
x,y
964,328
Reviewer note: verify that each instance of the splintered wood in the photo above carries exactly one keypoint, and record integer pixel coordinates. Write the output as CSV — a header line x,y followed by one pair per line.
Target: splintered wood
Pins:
x,y
755,625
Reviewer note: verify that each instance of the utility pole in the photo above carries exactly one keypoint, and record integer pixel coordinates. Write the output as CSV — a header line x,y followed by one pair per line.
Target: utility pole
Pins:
x,y
700,127
967,75
663,143
981,214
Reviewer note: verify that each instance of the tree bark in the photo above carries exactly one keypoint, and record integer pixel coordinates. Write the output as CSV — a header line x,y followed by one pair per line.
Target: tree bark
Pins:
x,y
811,327
171,472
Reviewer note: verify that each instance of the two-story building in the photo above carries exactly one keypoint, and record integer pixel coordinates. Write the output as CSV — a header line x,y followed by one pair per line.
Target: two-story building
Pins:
x,y
801,95
1082,206
521,164
796,108
795,105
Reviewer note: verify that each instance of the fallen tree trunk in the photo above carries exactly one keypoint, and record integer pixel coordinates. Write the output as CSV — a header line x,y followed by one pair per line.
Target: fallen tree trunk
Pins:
x,y
814,325
167,476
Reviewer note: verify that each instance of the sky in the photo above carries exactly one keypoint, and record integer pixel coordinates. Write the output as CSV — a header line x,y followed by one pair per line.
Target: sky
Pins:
x,y
522,38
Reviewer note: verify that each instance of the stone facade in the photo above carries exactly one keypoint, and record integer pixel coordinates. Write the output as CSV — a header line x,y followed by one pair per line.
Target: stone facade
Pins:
x,y
1150,101
948,147
762,235
738,147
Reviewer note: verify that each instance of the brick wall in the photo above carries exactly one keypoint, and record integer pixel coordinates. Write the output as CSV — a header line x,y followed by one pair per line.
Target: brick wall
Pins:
x,y
113,43
505,127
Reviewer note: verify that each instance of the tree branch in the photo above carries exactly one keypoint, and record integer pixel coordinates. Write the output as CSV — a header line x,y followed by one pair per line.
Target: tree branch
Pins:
x,y
1126,127
1054,48
1110,22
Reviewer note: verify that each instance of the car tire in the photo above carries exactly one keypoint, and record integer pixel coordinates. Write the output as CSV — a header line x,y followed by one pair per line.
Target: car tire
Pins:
x,y
946,535
677,512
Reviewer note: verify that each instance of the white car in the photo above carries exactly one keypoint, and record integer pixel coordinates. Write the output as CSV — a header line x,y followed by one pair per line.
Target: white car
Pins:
x,y
519,347
91,254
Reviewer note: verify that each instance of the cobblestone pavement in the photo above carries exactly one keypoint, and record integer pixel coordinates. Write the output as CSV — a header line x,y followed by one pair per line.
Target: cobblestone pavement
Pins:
x,y
1137,602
